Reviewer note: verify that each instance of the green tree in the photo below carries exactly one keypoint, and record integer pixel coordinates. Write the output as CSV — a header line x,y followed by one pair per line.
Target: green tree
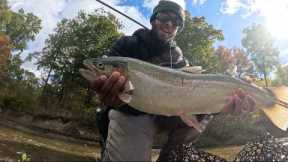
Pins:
x,y
86,36
16,28
259,44
281,76
196,41
14,94
21,27
5,54
5,15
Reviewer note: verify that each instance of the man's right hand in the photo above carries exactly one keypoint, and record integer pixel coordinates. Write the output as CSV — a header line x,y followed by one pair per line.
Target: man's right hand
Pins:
x,y
108,88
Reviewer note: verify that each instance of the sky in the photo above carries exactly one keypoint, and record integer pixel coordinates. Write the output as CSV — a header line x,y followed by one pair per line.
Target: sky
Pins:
x,y
230,16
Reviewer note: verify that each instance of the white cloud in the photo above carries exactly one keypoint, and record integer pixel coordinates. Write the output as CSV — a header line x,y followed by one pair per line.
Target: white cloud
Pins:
x,y
260,7
285,51
150,4
231,6
129,26
198,2
275,14
52,11
47,11
284,55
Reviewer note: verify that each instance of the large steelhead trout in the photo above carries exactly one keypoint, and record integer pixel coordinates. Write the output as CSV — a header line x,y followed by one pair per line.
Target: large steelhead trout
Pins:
x,y
165,91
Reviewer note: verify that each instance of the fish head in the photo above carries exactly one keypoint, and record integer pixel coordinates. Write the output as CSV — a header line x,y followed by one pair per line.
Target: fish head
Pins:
x,y
106,65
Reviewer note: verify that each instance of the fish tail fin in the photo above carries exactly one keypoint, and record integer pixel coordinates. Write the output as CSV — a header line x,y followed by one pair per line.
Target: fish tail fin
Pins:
x,y
278,113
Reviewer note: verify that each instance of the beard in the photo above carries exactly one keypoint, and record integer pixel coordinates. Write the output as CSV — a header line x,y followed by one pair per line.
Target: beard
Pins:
x,y
166,37
162,35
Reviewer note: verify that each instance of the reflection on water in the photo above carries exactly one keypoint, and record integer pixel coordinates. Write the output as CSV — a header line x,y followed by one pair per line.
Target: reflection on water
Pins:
x,y
14,143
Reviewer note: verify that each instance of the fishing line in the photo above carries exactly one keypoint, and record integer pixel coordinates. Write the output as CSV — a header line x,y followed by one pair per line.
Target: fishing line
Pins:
x,y
171,61
135,21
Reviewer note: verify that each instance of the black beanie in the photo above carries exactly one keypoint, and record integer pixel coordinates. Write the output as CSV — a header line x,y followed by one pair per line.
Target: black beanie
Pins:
x,y
165,5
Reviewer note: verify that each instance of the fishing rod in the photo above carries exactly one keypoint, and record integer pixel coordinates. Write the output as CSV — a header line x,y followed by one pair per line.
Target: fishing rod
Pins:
x,y
135,21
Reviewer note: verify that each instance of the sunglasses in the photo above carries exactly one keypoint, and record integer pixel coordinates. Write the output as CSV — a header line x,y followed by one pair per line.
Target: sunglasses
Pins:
x,y
163,18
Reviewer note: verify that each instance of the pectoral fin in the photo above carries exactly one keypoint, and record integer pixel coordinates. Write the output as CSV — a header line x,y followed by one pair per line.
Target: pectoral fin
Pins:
x,y
126,96
278,113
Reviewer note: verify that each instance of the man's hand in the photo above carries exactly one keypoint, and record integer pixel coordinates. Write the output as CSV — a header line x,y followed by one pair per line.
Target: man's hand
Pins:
x,y
239,103
107,87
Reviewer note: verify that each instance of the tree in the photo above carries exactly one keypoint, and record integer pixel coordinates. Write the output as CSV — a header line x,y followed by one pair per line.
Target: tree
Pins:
x,y
196,41
16,29
226,61
258,43
5,54
233,61
281,75
21,27
86,36
6,15
243,65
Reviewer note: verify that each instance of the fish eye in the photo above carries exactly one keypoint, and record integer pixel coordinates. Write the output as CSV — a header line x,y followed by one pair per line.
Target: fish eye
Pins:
x,y
100,66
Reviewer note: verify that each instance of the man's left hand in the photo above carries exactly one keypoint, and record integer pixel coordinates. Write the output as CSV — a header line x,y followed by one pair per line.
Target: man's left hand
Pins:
x,y
239,103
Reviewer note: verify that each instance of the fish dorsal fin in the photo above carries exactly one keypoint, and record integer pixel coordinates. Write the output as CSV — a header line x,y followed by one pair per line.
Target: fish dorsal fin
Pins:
x,y
278,113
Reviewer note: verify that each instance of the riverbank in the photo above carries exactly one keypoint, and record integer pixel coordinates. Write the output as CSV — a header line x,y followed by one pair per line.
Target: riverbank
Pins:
x,y
55,138
49,126
19,137
15,143
49,139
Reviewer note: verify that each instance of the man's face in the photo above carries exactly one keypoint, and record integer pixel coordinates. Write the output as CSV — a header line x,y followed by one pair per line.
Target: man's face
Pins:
x,y
166,25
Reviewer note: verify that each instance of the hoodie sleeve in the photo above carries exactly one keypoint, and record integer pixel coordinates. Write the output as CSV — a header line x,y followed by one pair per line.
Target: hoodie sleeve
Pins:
x,y
124,47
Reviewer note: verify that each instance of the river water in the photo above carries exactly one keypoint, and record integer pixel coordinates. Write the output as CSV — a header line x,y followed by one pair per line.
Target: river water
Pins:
x,y
14,144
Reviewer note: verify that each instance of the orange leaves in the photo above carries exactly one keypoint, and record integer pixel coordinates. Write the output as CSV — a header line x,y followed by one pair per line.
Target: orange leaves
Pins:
x,y
5,53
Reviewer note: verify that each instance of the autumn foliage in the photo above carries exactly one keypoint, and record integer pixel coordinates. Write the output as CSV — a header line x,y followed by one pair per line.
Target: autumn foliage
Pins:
x,y
5,54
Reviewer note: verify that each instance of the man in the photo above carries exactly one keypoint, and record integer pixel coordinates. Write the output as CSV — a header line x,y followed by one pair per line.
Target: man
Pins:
x,y
131,132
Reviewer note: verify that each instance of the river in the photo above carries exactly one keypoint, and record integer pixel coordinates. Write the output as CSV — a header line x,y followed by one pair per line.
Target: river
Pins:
x,y
15,143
